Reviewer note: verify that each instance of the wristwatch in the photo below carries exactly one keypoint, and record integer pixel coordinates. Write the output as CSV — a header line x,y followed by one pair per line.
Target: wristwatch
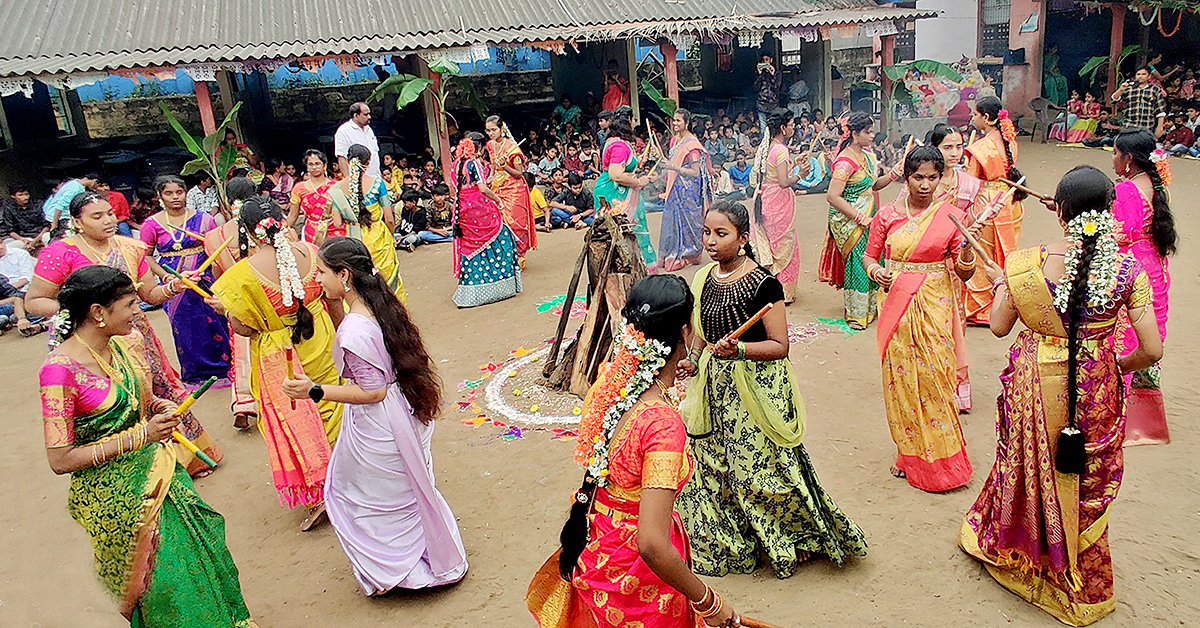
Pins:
x,y
316,393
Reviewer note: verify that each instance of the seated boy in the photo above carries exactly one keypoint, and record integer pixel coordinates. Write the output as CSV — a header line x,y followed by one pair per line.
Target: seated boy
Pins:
x,y
722,185
537,200
1106,130
574,206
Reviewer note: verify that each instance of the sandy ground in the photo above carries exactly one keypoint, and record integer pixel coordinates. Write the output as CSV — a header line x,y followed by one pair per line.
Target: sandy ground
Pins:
x,y
511,496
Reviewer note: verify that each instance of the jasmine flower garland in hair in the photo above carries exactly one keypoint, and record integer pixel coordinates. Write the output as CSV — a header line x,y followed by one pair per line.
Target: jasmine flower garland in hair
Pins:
x,y
650,356
60,326
1102,277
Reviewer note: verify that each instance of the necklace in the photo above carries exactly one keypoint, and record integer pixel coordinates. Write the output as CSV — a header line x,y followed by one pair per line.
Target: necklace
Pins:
x,y
911,220
720,276
117,380
669,395
175,232
101,257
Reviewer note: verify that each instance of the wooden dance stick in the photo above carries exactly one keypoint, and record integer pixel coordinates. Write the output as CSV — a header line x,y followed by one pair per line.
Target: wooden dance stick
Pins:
x,y
187,282
212,258
999,202
1019,186
183,407
737,333
183,231
289,354
971,240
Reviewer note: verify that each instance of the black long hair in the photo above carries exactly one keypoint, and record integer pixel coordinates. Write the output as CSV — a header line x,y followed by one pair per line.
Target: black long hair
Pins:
x,y
857,122
939,133
737,214
659,306
162,181
990,107
240,189
254,210
91,285
411,365
363,155
1083,189
927,154
1138,144
83,199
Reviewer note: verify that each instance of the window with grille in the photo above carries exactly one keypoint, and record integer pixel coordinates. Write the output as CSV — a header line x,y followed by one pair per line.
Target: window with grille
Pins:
x,y
993,36
62,112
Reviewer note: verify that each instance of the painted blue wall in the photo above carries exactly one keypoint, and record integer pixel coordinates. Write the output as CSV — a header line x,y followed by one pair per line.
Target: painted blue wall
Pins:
x,y
119,87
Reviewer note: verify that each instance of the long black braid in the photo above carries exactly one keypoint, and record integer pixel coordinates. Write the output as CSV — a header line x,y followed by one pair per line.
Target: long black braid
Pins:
x,y
990,107
1138,144
363,155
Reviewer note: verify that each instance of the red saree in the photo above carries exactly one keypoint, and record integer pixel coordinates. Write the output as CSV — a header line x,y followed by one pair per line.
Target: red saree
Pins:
x,y
613,587
515,205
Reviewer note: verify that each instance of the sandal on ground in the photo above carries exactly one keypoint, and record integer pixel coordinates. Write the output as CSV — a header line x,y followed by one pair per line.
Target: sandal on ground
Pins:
x,y
244,420
315,516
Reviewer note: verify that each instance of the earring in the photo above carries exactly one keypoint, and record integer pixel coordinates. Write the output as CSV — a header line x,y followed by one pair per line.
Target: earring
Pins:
x,y
345,286
101,323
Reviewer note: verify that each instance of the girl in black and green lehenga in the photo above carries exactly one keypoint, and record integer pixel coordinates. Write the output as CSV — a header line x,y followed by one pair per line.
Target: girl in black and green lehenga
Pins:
x,y
754,490
159,549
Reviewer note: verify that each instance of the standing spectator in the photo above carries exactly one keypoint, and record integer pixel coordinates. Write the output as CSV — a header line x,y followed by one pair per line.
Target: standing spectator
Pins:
x,y
55,207
120,206
766,88
203,196
1145,102
357,130
574,206
739,172
22,223
616,87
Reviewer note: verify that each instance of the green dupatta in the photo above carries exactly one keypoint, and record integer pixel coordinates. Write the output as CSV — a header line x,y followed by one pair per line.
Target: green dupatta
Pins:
x,y
781,417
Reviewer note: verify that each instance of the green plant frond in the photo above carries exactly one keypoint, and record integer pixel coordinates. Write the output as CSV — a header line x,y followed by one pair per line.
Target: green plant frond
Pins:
x,y
180,134
668,105
406,87
213,139
196,165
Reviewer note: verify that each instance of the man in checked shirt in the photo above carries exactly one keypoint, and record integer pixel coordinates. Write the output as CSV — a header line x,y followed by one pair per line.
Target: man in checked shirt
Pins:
x,y
1145,102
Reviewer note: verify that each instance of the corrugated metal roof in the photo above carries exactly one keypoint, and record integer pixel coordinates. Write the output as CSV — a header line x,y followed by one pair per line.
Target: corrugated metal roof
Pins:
x,y
53,36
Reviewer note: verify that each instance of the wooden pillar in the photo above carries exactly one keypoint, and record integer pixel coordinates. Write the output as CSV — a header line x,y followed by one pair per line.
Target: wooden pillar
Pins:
x,y
827,78
1115,43
635,85
671,78
887,56
204,102
225,92
435,123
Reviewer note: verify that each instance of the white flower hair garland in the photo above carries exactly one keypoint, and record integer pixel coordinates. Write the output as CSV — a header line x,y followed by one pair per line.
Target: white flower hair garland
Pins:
x,y
1102,276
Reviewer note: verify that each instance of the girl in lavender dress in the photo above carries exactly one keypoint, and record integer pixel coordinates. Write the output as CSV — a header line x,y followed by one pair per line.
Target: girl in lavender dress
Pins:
x,y
395,527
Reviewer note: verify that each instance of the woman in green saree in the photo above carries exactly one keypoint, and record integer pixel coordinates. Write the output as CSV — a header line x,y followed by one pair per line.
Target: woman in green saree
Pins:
x,y
159,549
853,199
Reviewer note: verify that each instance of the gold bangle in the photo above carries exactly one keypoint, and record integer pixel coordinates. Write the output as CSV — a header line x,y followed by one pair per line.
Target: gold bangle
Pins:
x,y
717,606
1140,316
704,599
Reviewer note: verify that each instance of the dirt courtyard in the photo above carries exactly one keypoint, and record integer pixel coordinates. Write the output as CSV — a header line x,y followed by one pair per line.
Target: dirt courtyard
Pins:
x,y
511,494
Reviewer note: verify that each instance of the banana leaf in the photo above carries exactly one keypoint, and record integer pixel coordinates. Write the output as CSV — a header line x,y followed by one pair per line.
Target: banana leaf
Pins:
x,y
225,163
196,165
668,105
406,87
180,134
443,67
211,141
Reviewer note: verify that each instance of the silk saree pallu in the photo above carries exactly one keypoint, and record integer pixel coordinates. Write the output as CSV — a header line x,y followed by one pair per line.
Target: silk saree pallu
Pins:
x,y
841,259
987,161
776,229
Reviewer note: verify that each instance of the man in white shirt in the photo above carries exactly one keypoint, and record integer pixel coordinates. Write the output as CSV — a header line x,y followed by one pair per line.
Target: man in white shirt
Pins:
x,y
357,130
16,271
203,196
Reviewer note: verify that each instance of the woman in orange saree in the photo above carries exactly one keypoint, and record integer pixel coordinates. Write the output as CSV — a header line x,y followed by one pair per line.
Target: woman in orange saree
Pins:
x,y
991,158
915,238
625,558
1040,525
508,164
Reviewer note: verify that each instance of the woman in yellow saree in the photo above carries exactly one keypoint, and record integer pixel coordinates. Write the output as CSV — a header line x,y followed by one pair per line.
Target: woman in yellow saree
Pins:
x,y
273,297
853,199
914,239
376,224
159,549
1040,525
991,158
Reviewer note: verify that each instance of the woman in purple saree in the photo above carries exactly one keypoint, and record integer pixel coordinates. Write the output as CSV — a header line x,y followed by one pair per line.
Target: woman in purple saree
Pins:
x,y
394,525
1040,525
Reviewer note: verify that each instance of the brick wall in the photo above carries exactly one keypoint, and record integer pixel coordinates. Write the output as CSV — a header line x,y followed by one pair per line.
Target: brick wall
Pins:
x,y
141,116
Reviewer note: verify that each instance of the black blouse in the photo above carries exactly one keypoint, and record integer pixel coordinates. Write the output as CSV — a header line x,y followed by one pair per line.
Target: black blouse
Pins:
x,y
726,306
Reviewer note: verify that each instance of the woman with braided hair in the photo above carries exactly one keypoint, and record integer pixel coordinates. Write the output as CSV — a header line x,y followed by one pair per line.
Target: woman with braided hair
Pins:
x,y
1146,230
273,297
485,249
620,186
625,557
375,222
991,158
508,181
393,524
688,195
853,199
774,215
1040,525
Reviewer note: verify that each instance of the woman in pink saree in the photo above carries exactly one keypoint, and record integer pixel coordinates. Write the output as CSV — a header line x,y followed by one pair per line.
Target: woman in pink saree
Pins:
x,y
485,250
1146,230
1040,525
775,209
910,243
